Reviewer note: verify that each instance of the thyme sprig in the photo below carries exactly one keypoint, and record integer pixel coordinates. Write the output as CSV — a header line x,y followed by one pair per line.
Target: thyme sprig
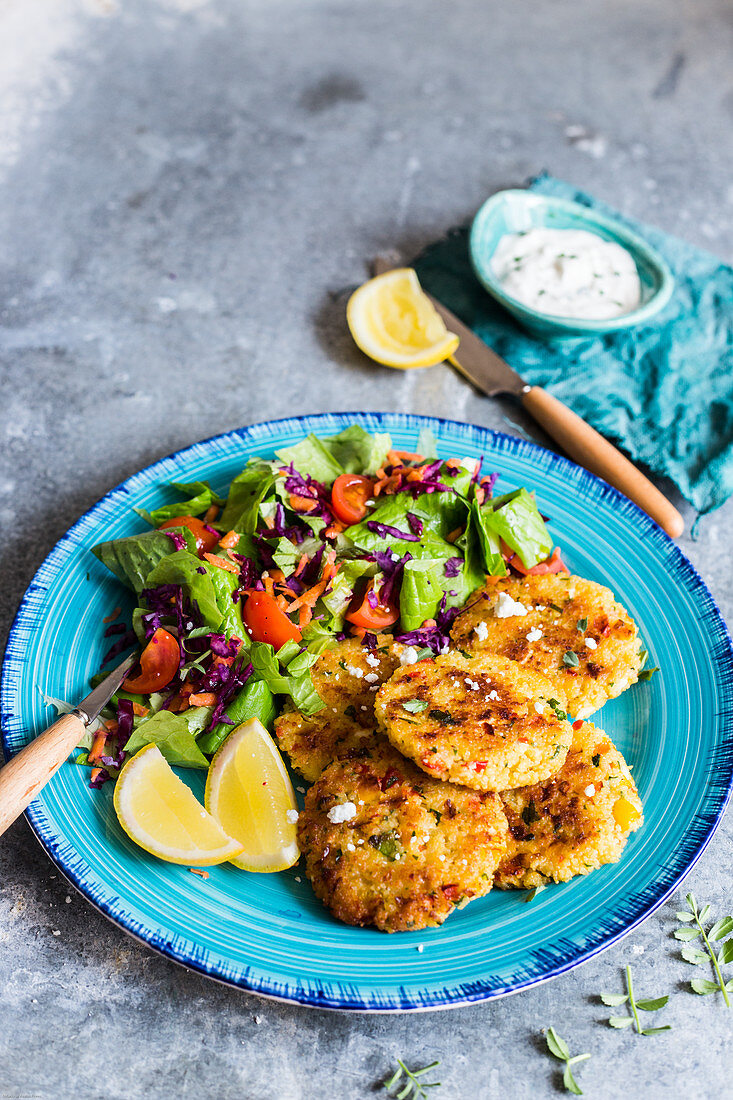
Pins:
x,y
614,1000
411,1086
559,1048
694,928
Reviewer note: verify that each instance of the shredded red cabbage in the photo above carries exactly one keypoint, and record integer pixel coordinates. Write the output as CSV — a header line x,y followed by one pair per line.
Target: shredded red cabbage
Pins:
x,y
453,567
488,483
369,641
435,637
477,471
393,571
99,780
178,540
127,639
125,720
386,532
416,524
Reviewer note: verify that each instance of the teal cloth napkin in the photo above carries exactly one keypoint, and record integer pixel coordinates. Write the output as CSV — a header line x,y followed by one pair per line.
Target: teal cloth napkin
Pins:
x,y
662,392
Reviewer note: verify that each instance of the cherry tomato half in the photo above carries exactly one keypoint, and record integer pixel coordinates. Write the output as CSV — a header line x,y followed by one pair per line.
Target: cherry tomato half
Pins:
x,y
372,618
349,495
158,664
267,622
205,540
553,564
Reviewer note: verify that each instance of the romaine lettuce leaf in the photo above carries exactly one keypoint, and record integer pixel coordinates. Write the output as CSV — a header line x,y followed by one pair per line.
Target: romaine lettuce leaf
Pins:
x,y
515,518
200,497
298,685
488,544
253,701
183,568
225,584
335,602
173,735
131,559
423,584
358,451
312,458
246,493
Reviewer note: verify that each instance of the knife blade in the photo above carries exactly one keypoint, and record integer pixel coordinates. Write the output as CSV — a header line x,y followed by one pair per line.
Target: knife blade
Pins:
x,y
479,363
91,706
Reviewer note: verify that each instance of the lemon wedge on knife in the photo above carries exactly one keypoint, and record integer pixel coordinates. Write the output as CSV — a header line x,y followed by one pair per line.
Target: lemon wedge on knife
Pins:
x,y
249,793
158,811
394,322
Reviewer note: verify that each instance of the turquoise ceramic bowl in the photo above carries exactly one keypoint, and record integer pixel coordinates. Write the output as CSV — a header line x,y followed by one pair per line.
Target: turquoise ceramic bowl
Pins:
x,y
516,211
267,933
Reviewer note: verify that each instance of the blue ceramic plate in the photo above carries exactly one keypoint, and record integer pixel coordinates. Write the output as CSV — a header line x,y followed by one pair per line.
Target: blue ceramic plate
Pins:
x,y
267,933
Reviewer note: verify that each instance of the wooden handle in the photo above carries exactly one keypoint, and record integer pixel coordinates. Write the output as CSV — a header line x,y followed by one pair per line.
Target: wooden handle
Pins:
x,y
33,766
591,450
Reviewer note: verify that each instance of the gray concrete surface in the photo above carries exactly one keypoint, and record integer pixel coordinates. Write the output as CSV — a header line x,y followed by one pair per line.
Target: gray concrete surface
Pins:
x,y
186,188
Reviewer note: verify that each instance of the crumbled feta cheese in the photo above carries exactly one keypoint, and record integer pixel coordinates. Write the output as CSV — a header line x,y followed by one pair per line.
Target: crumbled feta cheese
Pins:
x,y
534,635
420,948
481,631
371,677
445,649
372,660
350,847
506,608
345,811
472,684
292,816
354,671
591,643
441,857
493,694
408,656
539,707
590,790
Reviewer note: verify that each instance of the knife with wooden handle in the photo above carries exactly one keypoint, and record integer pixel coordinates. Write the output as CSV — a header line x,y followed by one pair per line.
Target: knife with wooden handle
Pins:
x,y
30,769
490,374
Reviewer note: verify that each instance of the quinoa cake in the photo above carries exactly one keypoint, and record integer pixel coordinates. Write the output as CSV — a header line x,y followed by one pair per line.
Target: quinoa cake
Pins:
x,y
570,630
574,822
347,677
387,846
484,722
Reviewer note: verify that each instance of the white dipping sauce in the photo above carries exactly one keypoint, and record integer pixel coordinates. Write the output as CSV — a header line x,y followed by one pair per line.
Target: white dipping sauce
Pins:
x,y
567,273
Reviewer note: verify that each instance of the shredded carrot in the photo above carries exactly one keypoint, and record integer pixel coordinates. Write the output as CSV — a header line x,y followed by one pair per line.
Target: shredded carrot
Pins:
x,y
335,529
212,513
454,535
301,565
97,750
406,456
112,615
480,494
201,874
268,583
202,699
230,540
282,603
140,710
96,772
217,660
269,522
302,504
277,575
222,563
305,614
310,596
454,463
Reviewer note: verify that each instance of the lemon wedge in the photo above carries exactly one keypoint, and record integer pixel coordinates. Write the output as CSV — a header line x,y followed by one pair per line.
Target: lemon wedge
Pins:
x,y
158,811
393,321
249,793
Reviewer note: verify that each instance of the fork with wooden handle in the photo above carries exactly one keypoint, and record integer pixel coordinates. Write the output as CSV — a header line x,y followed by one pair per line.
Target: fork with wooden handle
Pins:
x,y
490,374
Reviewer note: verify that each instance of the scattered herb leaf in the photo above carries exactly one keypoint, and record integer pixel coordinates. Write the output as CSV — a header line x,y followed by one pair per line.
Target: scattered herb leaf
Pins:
x,y
615,999
409,1080
532,894
582,625
692,929
443,717
559,1049
559,712
570,659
